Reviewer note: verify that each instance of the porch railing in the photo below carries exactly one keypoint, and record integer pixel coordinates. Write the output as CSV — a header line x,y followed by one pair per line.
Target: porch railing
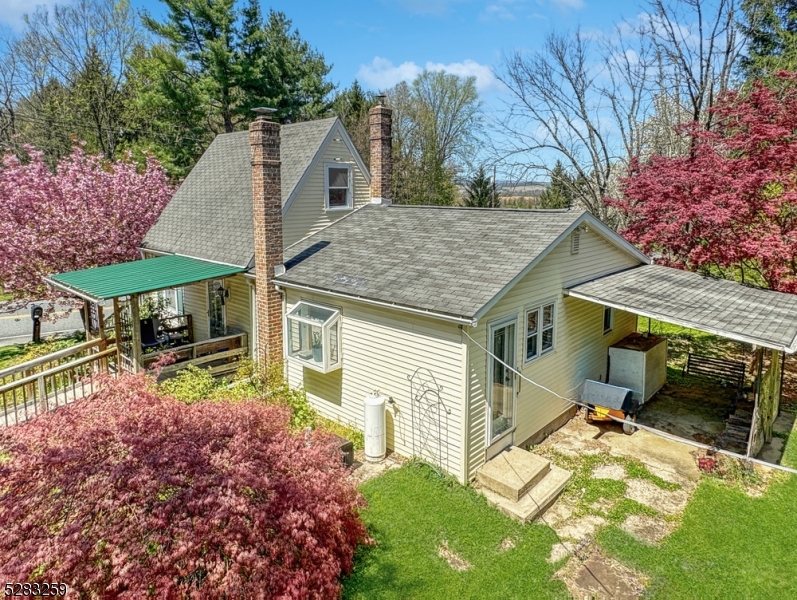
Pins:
x,y
220,355
41,385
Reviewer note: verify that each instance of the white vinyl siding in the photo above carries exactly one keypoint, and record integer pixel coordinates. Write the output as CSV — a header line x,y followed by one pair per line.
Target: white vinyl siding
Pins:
x,y
195,303
239,306
580,348
380,350
309,213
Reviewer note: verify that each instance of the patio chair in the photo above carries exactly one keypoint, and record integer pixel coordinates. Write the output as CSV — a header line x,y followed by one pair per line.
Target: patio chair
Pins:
x,y
149,334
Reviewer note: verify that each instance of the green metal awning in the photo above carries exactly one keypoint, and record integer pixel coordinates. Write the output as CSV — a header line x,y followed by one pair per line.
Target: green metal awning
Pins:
x,y
139,276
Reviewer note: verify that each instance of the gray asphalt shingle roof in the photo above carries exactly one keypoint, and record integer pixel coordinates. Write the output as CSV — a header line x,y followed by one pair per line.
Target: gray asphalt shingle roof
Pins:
x,y
444,260
210,216
730,309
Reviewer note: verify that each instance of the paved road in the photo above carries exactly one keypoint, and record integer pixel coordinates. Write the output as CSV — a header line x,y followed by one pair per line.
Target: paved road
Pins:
x,y
17,328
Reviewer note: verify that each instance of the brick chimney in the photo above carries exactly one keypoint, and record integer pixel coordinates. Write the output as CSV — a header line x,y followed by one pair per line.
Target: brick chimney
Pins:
x,y
380,120
264,139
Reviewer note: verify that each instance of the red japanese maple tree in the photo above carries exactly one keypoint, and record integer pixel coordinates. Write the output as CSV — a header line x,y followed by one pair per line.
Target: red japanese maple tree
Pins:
x,y
88,212
732,203
129,494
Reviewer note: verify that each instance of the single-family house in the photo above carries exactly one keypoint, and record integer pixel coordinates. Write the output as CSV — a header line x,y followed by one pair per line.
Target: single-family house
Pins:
x,y
291,241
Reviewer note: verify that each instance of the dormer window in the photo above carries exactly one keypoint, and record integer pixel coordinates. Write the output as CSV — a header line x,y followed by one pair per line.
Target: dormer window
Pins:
x,y
338,186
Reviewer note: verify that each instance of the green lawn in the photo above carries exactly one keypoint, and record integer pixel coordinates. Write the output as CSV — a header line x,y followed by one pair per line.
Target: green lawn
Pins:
x,y
412,512
18,353
729,544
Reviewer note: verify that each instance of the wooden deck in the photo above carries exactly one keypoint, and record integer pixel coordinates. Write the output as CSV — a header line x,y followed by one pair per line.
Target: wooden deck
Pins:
x,y
221,356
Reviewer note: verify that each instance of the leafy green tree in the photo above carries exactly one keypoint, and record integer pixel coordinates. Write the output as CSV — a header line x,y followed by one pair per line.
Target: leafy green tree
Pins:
x,y
215,63
238,62
436,127
479,191
351,105
771,30
561,192
69,64
166,113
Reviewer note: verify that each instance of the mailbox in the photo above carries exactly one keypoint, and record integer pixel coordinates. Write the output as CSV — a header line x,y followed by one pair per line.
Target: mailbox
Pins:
x,y
36,313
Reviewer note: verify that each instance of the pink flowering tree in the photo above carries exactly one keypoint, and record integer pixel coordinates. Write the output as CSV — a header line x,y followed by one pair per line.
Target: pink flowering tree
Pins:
x,y
130,494
89,212
729,207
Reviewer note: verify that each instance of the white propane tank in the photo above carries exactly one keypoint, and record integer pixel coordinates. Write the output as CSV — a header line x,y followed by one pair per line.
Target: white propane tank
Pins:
x,y
375,430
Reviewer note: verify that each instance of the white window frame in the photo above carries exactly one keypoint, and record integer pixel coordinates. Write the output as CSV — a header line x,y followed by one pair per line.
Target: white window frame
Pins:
x,y
349,193
539,308
335,319
611,320
504,435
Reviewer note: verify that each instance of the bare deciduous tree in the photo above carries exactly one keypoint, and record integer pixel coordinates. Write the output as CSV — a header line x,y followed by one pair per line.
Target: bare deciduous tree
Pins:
x,y
595,102
84,47
585,111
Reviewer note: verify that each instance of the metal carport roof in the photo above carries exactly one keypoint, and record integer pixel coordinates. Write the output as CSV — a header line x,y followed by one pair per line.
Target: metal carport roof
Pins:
x,y
726,308
139,276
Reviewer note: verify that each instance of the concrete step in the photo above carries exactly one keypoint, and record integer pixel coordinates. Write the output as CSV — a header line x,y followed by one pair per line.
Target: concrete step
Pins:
x,y
513,472
535,501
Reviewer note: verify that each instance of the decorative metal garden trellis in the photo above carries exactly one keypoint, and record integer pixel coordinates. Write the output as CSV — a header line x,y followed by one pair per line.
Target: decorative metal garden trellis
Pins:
x,y
429,419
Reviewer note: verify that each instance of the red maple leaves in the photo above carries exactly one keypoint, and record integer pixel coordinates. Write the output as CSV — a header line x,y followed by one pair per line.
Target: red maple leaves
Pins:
x,y
732,203
128,494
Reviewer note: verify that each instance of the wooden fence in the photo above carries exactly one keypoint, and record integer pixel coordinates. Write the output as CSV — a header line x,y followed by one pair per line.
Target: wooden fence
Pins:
x,y
220,356
41,385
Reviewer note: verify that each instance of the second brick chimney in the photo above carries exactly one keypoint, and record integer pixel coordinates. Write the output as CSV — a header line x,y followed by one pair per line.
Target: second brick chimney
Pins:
x,y
380,120
264,139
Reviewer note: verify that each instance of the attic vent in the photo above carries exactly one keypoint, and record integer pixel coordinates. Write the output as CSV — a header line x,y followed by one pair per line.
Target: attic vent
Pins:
x,y
575,241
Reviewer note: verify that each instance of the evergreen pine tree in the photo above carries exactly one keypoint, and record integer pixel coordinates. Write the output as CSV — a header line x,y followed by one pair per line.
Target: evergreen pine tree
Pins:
x,y
479,190
559,193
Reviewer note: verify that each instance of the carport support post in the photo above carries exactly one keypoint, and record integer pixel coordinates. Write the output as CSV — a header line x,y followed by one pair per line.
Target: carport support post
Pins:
x,y
136,333
751,438
117,332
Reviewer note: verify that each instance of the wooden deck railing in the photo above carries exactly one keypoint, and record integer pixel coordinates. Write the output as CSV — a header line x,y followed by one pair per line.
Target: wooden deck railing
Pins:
x,y
41,385
219,355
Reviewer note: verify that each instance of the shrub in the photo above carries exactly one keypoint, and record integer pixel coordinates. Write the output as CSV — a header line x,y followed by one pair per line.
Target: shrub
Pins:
x,y
131,494
349,432
190,385
250,382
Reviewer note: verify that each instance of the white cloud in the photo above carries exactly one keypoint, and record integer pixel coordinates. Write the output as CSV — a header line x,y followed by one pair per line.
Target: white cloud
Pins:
x,y
498,11
14,10
382,73
568,4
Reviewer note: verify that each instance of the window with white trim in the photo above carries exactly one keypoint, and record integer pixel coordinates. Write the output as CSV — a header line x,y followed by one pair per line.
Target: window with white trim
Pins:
x,y
337,186
608,319
540,325
314,336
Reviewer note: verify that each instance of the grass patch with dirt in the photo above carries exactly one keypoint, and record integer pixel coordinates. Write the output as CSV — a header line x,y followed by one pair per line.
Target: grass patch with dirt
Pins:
x,y
16,354
729,544
438,539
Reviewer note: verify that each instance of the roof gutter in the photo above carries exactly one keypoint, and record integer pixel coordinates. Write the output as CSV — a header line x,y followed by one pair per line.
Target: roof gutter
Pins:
x,y
72,291
415,311
162,253
681,322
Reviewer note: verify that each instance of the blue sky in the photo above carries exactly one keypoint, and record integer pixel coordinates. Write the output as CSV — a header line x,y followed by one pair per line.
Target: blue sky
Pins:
x,y
381,42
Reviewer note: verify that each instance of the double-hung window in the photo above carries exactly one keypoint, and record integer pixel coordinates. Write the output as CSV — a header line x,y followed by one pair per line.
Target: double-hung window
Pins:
x,y
338,186
540,325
